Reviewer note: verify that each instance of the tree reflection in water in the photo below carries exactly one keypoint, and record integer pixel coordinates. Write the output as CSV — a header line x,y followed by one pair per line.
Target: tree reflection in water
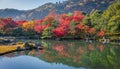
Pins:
x,y
77,54
93,55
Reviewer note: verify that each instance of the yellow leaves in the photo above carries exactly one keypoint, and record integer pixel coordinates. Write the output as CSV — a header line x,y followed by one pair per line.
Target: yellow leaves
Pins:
x,y
28,25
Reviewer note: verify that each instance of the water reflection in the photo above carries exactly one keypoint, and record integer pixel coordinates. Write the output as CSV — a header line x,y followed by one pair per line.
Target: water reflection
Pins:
x,y
69,55
77,54
29,62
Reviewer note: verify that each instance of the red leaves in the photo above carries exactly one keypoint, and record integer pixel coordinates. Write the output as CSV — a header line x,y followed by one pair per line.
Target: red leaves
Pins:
x,y
59,25
39,26
78,16
38,21
59,32
39,29
1,26
101,33
7,24
64,23
91,30
20,22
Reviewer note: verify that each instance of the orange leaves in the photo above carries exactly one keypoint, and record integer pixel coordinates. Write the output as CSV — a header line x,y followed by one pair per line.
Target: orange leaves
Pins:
x,y
28,25
80,26
85,28
62,17
50,17
91,30
101,33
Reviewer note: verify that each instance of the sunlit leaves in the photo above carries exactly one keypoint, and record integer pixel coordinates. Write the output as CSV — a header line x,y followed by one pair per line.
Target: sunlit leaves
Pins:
x,y
28,25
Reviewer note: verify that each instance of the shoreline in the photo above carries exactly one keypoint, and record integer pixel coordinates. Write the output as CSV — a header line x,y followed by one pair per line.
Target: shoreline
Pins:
x,y
58,39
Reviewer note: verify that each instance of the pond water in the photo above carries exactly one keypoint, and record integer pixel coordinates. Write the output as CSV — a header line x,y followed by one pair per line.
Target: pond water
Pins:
x,y
65,55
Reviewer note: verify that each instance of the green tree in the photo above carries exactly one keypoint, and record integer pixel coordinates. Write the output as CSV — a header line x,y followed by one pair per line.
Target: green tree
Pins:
x,y
93,19
17,32
111,18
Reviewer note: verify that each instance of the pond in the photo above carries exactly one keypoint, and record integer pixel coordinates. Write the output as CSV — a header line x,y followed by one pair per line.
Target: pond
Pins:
x,y
72,54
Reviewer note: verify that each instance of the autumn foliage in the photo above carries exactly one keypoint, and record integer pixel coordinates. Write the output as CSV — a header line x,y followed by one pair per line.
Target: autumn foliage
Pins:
x,y
59,32
57,25
39,29
7,24
28,25
101,33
